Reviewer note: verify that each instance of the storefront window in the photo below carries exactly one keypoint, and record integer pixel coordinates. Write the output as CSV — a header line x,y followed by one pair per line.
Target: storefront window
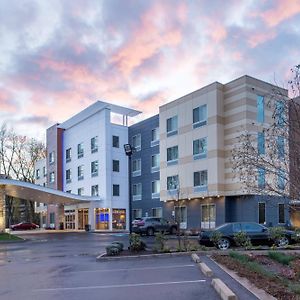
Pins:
x,y
102,218
119,219
83,218
70,219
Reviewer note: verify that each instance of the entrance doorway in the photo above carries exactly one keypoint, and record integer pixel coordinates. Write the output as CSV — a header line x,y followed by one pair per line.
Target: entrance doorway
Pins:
x,y
208,216
83,218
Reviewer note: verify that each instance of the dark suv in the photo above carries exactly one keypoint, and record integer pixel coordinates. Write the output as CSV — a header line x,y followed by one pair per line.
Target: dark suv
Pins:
x,y
149,225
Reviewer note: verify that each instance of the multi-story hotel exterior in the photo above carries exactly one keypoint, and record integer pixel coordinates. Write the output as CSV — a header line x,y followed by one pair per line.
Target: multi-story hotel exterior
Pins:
x,y
181,167
197,134
85,156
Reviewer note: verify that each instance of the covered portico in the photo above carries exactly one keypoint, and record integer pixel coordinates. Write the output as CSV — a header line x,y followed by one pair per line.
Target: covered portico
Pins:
x,y
33,192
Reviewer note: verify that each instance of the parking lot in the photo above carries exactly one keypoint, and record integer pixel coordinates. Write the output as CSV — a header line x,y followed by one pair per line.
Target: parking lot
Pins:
x,y
64,266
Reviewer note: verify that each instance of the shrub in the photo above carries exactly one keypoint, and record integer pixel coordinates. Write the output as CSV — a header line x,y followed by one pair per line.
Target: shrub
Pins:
x,y
242,240
296,235
160,239
135,243
112,250
118,245
276,233
216,237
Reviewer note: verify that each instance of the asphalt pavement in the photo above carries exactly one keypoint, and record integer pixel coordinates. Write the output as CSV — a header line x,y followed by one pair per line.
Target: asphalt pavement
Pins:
x,y
64,266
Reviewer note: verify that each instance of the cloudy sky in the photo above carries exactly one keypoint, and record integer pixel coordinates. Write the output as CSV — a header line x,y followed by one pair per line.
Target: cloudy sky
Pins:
x,y
59,56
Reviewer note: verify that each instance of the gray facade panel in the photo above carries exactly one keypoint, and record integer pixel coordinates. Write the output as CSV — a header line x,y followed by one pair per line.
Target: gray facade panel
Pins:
x,y
145,129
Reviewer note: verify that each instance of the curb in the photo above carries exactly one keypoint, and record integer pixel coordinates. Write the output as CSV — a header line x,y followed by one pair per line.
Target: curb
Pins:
x,y
223,290
103,257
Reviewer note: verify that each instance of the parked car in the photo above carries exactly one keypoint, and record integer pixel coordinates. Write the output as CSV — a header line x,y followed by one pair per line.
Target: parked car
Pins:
x,y
149,225
24,226
258,234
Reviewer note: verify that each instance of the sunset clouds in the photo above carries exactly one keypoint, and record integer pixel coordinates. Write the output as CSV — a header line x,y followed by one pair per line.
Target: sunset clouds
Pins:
x,y
57,57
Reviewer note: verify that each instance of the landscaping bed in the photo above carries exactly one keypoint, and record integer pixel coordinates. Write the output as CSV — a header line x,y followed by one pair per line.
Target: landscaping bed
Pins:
x,y
6,237
276,272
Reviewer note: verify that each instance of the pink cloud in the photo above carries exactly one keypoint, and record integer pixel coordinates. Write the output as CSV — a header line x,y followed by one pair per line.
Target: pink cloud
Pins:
x,y
258,38
153,34
6,102
282,11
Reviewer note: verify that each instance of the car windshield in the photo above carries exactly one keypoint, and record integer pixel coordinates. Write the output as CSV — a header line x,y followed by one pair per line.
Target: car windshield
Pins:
x,y
221,226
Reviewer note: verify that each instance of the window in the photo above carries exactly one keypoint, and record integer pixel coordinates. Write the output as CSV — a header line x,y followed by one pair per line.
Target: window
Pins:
x,y
280,113
136,167
280,146
261,177
154,163
80,151
200,148
200,178
116,190
136,213
68,155
94,168
281,180
172,155
94,144
94,190
37,175
262,213
172,182
261,143
51,157
116,165
157,212
80,172
115,141
154,137
281,218
52,218
80,191
172,126
136,142
200,116
260,109
68,176
44,171
51,177
181,216
155,189
137,191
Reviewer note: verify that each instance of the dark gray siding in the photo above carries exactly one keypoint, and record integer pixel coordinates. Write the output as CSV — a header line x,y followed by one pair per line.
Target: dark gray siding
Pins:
x,y
145,128
245,208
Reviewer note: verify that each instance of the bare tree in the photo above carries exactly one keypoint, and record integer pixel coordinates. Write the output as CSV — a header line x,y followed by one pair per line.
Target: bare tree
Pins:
x,y
267,162
18,155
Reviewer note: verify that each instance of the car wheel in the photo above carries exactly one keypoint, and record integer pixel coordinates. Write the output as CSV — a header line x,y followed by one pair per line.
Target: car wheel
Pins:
x,y
173,230
223,244
150,231
284,241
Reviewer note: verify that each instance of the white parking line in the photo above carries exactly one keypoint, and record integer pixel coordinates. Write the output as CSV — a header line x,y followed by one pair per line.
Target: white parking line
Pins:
x,y
117,286
134,269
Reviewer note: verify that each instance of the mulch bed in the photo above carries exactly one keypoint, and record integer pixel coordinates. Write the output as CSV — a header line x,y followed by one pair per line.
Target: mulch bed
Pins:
x,y
272,285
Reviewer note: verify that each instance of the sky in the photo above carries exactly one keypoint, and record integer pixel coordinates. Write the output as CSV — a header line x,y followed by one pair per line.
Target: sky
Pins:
x,y
59,56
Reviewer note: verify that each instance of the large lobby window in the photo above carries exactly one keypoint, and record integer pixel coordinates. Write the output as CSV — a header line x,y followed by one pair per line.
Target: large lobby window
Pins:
x,y
118,218
262,213
102,218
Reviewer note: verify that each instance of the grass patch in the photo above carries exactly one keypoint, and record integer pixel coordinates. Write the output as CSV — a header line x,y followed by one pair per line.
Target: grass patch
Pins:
x,y
251,265
294,287
9,237
281,257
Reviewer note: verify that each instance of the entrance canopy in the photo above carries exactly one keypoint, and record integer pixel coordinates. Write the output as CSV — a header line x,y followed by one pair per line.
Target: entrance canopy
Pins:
x,y
33,192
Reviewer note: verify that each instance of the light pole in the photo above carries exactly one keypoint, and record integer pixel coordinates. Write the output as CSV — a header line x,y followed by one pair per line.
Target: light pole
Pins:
x,y
128,151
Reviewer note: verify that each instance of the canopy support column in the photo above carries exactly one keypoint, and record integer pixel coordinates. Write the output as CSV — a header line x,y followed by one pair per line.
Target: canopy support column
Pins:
x,y
2,209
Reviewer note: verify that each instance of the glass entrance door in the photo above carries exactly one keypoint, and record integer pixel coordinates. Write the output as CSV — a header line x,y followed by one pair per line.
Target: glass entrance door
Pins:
x,y
208,216
83,218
